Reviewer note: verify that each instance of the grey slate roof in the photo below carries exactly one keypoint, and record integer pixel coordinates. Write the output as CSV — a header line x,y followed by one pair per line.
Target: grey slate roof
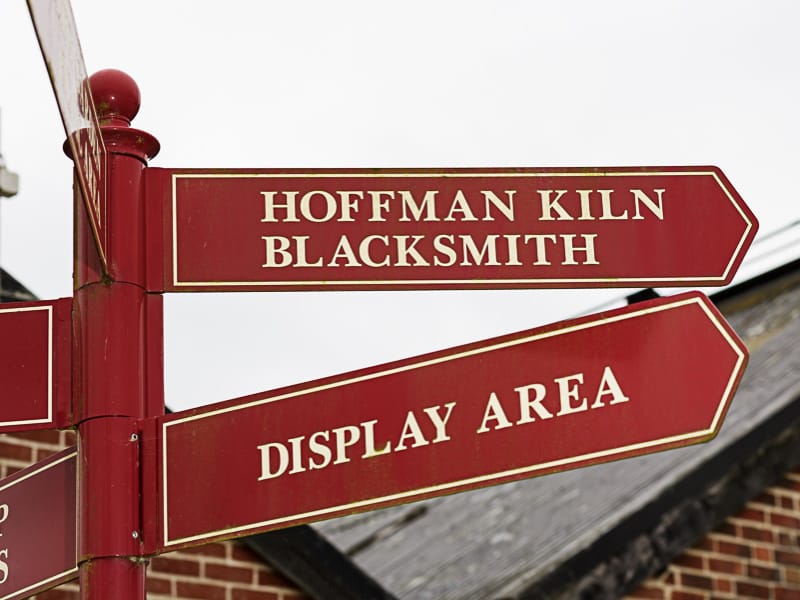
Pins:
x,y
594,532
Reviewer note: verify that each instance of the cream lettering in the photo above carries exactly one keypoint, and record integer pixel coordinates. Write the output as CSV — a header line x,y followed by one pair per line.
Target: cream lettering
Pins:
x,y
543,401
366,440
322,206
421,251
600,205
428,229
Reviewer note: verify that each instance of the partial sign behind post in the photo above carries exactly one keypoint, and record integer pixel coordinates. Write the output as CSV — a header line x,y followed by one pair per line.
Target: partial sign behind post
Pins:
x,y
38,526
61,50
35,365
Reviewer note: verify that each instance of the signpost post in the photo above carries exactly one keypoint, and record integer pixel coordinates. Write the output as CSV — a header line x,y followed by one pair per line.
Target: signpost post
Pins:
x,y
118,376
656,375
343,229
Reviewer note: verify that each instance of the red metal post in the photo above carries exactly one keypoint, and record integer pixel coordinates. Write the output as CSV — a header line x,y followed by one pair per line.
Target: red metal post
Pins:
x,y
117,328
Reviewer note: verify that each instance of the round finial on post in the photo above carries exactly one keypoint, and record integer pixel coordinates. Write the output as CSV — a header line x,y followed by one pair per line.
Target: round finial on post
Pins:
x,y
116,97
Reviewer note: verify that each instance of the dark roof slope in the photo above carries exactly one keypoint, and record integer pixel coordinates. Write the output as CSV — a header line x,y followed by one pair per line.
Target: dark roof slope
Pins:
x,y
595,532
12,290
315,565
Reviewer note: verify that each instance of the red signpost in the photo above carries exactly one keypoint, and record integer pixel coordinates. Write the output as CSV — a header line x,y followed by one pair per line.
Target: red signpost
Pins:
x,y
38,528
657,375
453,228
35,368
579,392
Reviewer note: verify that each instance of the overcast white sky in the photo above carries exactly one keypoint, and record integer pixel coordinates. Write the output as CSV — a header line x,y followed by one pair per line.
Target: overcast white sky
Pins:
x,y
405,84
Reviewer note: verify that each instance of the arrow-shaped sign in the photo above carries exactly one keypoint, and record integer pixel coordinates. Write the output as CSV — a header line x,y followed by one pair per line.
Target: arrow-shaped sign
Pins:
x,y
434,229
656,375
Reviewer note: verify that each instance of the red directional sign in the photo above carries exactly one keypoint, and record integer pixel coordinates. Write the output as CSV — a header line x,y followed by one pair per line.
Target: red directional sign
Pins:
x,y
61,50
35,369
38,528
458,228
656,375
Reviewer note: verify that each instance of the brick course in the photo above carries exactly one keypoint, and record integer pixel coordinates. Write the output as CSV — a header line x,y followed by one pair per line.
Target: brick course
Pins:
x,y
217,571
754,554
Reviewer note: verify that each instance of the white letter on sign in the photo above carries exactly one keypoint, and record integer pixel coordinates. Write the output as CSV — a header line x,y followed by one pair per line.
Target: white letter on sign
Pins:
x,y
609,385
440,423
276,248
411,430
270,206
568,391
283,460
526,403
329,203
494,412
656,206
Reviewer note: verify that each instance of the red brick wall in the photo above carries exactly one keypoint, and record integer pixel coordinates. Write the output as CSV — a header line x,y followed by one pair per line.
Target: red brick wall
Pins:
x,y
754,554
220,571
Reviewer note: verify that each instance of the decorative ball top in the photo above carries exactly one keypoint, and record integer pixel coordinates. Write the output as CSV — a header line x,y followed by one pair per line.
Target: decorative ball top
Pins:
x,y
116,97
